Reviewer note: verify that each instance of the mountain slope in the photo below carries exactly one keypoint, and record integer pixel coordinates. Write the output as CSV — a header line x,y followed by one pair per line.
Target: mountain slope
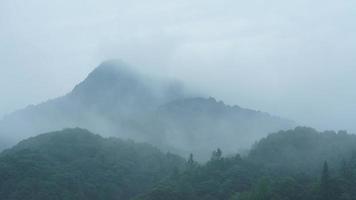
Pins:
x,y
76,164
107,101
116,101
200,125
303,149
288,165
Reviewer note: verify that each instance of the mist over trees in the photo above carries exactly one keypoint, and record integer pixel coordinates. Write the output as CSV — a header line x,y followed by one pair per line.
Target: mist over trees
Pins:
x,y
177,100
174,145
116,101
257,177
303,149
76,164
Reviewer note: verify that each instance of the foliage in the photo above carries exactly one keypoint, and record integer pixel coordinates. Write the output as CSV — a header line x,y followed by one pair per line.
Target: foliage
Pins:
x,y
288,165
75,164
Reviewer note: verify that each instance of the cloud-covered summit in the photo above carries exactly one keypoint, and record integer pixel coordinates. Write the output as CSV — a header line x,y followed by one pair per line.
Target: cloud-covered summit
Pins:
x,y
115,100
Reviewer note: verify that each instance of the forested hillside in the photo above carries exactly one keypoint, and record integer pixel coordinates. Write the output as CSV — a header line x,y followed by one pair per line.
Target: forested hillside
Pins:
x,y
303,149
76,164
177,100
284,166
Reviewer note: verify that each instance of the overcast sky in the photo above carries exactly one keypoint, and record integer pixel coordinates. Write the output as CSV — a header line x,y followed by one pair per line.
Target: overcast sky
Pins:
x,y
295,59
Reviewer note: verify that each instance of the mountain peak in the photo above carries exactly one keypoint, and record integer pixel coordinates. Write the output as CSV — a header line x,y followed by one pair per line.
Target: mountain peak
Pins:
x,y
109,78
111,71
112,67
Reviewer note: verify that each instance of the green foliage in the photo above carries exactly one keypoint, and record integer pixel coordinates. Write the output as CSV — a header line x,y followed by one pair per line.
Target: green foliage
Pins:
x,y
325,183
217,179
302,150
75,164
284,166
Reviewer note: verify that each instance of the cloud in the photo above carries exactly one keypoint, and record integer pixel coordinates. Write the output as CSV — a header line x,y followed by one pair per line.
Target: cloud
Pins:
x,y
291,58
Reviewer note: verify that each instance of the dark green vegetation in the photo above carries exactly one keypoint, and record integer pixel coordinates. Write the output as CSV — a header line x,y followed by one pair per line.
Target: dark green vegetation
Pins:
x,y
75,164
114,100
303,149
299,164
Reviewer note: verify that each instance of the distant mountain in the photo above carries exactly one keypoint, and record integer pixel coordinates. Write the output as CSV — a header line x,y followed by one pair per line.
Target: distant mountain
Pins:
x,y
76,164
201,125
107,101
114,89
116,101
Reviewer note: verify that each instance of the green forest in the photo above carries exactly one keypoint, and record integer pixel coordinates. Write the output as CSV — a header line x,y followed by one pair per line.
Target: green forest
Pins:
x,y
75,164
177,100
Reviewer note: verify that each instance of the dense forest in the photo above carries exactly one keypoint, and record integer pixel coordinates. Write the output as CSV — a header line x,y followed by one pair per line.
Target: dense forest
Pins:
x,y
76,164
289,165
177,100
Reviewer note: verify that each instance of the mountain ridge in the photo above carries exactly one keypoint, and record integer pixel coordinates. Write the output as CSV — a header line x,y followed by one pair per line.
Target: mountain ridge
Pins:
x,y
77,164
114,100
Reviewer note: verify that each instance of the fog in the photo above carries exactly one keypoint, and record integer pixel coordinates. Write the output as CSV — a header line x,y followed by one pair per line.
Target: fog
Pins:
x,y
294,59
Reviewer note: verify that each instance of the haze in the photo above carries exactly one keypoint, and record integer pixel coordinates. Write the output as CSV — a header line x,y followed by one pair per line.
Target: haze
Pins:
x,y
291,58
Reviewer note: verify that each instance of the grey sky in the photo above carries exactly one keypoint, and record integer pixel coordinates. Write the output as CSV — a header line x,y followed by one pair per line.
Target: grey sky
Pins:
x,y
295,59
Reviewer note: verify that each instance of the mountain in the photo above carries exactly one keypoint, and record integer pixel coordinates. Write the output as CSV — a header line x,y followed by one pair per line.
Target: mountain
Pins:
x,y
303,149
200,125
291,165
108,101
300,163
76,164
114,100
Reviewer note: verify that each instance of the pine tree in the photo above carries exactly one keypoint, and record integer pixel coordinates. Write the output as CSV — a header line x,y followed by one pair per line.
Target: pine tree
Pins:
x,y
191,162
216,154
345,170
325,183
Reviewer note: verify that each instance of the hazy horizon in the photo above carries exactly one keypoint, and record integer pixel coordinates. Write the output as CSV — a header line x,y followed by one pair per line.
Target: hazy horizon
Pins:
x,y
291,59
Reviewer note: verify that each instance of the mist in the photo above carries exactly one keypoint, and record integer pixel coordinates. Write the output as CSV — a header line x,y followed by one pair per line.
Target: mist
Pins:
x,y
293,59
177,100
116,101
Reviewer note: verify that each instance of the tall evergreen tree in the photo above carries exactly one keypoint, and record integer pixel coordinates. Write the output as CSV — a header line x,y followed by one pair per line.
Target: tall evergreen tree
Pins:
x,y
191,162
216,154
325,183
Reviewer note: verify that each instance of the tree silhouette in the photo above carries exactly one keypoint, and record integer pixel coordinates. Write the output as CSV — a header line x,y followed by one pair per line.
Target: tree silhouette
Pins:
x,y
325,183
